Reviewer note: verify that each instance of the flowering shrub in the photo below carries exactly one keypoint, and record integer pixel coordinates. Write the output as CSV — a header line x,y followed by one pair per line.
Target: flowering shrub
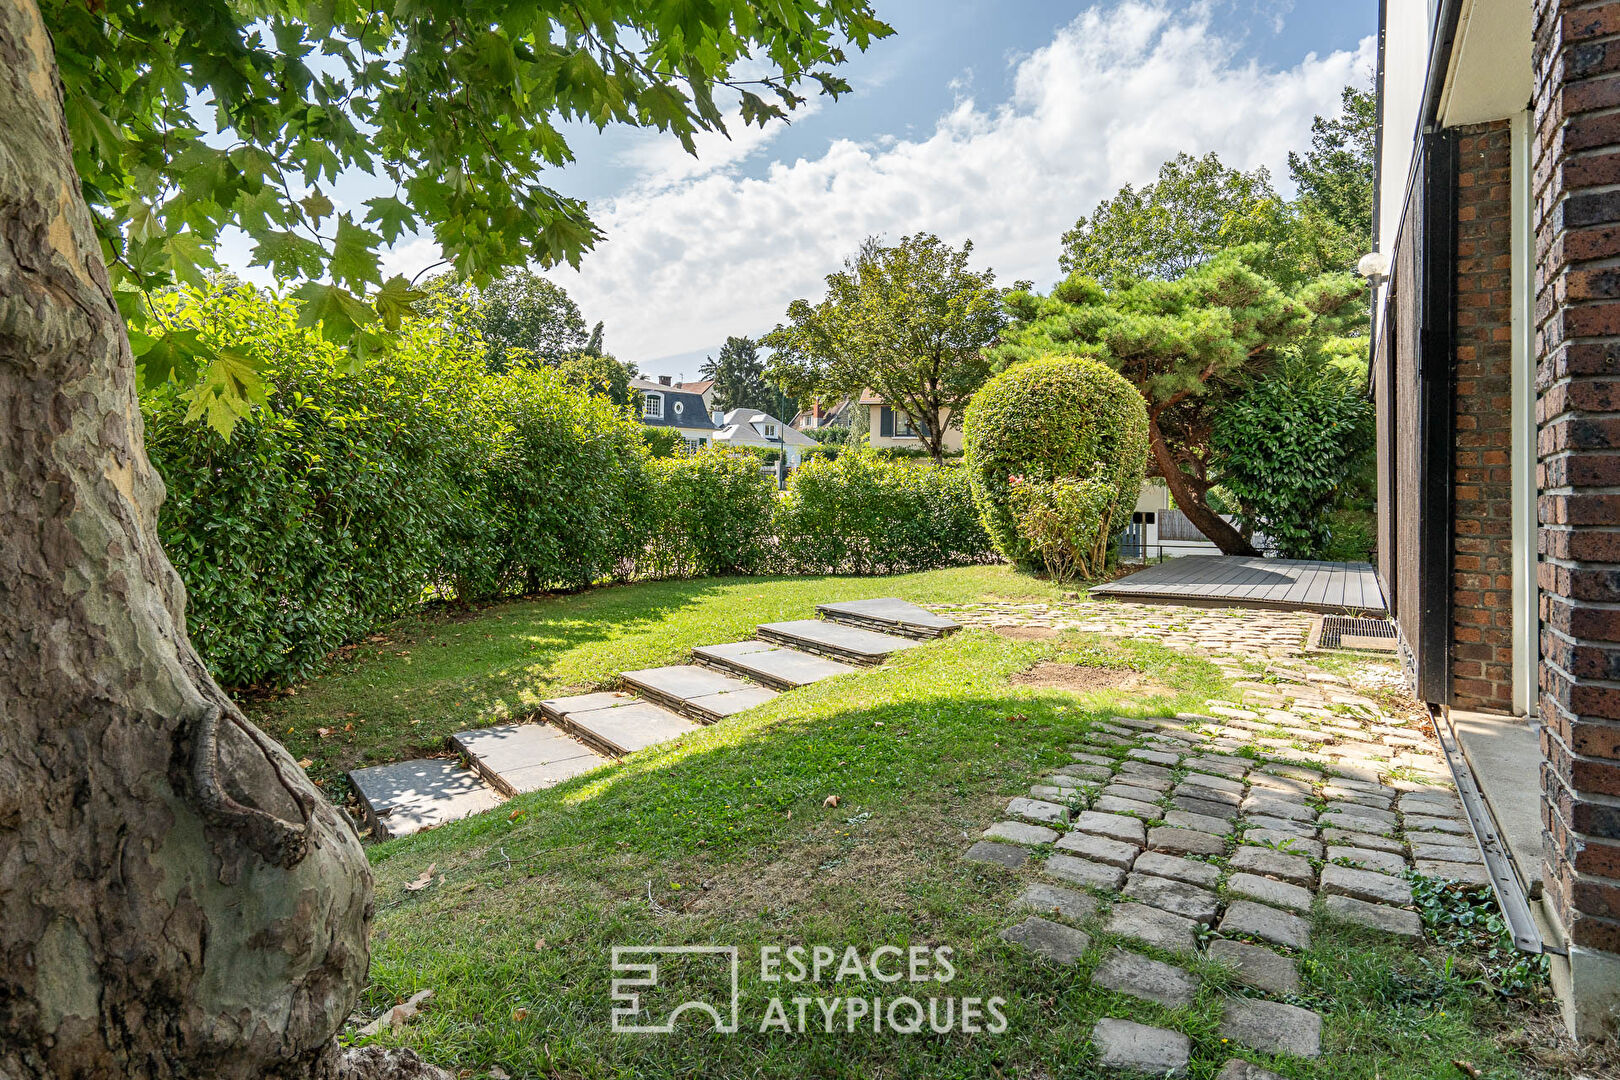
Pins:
x,y
1066,522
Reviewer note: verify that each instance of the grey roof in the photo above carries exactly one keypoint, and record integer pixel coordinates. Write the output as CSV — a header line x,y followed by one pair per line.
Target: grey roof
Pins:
x,y
691,414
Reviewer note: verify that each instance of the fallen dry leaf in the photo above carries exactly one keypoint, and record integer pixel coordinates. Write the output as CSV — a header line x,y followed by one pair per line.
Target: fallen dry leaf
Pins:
x,y
498,1073
304,763
540,944
520,1015
514,815
397,1016
1468,1068
831,800
423,880
323,732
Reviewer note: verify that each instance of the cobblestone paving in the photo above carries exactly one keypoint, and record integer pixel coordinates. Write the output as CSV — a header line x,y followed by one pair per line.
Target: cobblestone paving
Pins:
x,y
1240,632
1243,825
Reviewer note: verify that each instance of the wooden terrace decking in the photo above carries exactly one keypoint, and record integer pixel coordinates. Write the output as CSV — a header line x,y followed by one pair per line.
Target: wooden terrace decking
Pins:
x,y
1244,582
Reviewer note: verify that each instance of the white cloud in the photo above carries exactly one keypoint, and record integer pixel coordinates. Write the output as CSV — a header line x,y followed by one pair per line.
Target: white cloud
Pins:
x,y
693,255
663,161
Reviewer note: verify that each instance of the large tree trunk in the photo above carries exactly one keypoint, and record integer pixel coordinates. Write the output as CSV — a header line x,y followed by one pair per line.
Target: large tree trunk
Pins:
x,y
176,898
1191,502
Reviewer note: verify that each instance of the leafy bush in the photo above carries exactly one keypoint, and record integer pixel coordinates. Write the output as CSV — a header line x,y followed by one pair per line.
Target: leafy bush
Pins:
x,y
708,513
1286,448
864,514
1066,522
549,507
1055,419
821,451
349,495
326,510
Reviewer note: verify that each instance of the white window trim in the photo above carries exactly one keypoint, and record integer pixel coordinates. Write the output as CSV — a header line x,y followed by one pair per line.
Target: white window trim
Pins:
x,y
1526,599
652,406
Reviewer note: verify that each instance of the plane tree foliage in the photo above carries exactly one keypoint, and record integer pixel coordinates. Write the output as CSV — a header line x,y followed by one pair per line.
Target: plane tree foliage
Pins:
x,y
193,117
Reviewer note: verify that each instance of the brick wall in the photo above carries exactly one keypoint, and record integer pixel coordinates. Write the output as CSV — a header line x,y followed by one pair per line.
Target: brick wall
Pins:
x,y
1482,490
1576,172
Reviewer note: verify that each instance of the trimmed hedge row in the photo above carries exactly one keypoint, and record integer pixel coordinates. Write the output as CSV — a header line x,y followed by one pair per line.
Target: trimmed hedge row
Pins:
x,y
355,495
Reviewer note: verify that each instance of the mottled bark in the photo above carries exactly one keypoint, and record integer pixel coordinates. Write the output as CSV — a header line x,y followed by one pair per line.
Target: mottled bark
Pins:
x,y
177,898
1190,501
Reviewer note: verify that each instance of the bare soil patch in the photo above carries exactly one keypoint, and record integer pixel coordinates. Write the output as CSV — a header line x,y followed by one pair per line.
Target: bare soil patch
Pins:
x,y
1085,678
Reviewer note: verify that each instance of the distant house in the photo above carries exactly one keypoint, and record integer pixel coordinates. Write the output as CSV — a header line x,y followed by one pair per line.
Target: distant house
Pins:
x,y
818,416
704,388
891,427
685,411
750,427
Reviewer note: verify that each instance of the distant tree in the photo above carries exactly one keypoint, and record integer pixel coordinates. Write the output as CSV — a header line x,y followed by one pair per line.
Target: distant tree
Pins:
x,y
907,321
1335,180
740,382
599,374
594,345
1197,208
1185,344
524,316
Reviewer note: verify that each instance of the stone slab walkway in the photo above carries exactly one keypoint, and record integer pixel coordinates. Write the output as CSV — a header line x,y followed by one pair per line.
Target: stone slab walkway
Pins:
x,y
1231,833
581,732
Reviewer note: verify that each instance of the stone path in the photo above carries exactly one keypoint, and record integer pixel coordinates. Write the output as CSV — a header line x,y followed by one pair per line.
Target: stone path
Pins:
x,y
585,731
1239,632
1246,825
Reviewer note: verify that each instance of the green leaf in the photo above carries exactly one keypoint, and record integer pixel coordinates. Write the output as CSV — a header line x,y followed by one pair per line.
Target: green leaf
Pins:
x,y
189,257
354,254
392,216
338,312
317,206
395,300
288,255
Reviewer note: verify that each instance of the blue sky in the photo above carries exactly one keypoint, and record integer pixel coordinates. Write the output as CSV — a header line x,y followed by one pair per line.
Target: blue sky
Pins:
x,y
999,121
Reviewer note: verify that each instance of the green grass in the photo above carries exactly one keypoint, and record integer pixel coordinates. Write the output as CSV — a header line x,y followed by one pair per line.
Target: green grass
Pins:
x,y
725,838
399,693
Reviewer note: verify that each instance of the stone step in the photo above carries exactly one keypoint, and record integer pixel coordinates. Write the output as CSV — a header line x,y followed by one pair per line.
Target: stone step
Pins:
x,y
892,615
702,693
775,666
516,758
409,796
836,640
626,727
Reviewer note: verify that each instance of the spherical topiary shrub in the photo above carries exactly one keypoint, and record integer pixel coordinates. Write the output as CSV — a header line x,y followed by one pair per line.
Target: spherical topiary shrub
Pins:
x,y
1053,419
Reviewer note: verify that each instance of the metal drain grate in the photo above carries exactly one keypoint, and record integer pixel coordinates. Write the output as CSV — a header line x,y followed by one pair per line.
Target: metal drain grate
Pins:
x,y
1348,632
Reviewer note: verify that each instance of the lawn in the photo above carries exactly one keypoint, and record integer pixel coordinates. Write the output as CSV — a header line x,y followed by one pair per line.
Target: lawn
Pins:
x,y
728,838
400,692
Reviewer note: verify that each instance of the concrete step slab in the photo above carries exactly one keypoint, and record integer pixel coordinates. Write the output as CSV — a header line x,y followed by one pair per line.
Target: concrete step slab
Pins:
x,y
702,693
409,796
625,728
554,709
892,615
775,666
847,643
515,758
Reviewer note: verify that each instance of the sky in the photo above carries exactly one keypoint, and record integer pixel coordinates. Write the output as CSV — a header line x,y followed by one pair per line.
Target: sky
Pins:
x,y
996,121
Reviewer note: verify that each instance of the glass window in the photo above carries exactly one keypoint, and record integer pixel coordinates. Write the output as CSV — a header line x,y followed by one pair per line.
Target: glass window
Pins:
x,y
652,405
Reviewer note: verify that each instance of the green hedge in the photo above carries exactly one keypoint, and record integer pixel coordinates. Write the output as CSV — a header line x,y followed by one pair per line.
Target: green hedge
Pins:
x,y
355,494
862,513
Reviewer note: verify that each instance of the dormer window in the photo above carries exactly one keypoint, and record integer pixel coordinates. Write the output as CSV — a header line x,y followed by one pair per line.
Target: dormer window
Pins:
x,y
652,406
770,431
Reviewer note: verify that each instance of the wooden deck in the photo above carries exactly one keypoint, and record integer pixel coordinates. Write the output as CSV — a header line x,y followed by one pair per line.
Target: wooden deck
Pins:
x,y
1233,580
